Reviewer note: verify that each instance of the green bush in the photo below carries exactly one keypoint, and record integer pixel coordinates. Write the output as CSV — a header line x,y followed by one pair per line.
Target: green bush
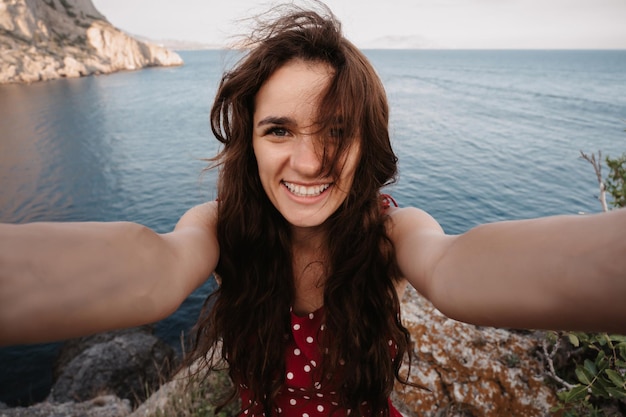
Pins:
x,y
197,396
616,180
597,364
592,367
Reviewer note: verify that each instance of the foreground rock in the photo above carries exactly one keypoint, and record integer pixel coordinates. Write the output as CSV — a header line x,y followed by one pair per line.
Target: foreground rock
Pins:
x,y
105,375
190,393
130,364
470,371
104,406
49,39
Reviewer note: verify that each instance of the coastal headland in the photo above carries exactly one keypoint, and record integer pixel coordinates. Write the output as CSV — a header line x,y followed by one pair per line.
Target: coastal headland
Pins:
x,y
44,40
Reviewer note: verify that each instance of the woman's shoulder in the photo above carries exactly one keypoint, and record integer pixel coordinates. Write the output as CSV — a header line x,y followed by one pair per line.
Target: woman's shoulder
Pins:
x,y
403,214
203,215
405,221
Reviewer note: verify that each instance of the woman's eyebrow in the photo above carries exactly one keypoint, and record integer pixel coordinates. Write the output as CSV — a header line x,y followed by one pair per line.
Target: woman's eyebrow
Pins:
x,y
275,120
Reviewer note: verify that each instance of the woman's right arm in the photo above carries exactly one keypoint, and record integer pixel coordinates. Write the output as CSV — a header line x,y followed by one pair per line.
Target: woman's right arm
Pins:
x,y
62,280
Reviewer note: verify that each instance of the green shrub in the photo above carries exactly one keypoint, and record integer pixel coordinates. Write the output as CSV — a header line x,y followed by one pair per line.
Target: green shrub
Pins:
x,y
597,364
591,368
197,396
616,180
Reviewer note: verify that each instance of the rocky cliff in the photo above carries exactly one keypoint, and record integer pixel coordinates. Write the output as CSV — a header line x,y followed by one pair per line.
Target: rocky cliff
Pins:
x,y
49,39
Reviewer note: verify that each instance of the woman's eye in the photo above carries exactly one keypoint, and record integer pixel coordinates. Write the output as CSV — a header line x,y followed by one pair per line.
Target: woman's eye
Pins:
x,y
277,131
336,132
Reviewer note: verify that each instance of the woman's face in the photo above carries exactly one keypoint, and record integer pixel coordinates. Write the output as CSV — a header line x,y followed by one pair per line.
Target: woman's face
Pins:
x,y
288,151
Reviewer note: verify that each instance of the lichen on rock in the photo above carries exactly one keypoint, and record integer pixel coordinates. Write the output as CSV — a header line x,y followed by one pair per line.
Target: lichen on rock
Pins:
x,y
470,371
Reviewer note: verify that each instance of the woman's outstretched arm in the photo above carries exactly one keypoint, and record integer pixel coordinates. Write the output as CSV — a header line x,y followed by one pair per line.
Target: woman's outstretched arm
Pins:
x,y
561,272
61,280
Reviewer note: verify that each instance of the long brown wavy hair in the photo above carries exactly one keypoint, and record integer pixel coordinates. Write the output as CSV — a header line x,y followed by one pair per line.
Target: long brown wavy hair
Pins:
x,y
246,321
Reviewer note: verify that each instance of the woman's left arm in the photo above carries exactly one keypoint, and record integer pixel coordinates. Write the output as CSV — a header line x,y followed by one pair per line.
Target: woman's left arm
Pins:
x,y
561,272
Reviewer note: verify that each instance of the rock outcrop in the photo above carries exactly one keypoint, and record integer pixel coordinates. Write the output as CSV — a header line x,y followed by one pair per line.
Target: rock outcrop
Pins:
x,y
103,406
104,375
130,364
470,371
49,39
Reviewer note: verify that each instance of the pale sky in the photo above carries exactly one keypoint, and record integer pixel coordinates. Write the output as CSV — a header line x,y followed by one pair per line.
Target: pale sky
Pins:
x,y
503,24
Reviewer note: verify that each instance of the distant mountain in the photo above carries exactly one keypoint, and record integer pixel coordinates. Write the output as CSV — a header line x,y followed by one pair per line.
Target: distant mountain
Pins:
x,y
179,45
48,39
400,42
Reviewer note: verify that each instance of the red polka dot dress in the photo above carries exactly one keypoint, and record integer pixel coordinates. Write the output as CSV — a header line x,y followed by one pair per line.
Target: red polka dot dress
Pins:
x,y
303,394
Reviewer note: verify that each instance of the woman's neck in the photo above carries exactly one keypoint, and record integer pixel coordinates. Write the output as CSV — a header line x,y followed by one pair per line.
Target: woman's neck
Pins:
x,y
308,237
310,269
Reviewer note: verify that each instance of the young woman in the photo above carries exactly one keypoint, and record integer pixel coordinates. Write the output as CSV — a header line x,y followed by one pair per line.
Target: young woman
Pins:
x,y
311,258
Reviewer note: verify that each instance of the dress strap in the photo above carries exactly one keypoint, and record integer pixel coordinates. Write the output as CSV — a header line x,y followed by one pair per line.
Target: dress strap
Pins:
x,y
386,201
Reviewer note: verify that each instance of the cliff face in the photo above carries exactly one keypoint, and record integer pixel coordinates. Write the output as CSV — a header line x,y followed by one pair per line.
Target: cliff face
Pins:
x,y
48,39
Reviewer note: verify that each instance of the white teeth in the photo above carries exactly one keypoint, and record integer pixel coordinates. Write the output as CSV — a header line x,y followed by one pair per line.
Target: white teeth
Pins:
x,y
303,191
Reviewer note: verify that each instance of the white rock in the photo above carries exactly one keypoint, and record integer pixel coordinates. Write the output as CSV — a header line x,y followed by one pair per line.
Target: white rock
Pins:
x,y
49,39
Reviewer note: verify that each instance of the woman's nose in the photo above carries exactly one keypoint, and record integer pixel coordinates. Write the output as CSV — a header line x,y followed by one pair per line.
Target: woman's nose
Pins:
x,y
306,157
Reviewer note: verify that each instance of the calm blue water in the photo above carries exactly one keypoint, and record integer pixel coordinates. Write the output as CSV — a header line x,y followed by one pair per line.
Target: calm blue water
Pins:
x,y
481,136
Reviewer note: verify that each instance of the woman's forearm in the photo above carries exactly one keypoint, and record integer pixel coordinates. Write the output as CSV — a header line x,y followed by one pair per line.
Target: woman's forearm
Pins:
x,y
59,280
564,272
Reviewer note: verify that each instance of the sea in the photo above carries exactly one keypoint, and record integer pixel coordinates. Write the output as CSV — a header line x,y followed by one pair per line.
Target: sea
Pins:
x,y
481,136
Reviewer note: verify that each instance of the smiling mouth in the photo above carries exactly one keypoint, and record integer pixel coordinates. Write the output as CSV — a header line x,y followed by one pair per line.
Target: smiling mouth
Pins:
x,y
304,191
